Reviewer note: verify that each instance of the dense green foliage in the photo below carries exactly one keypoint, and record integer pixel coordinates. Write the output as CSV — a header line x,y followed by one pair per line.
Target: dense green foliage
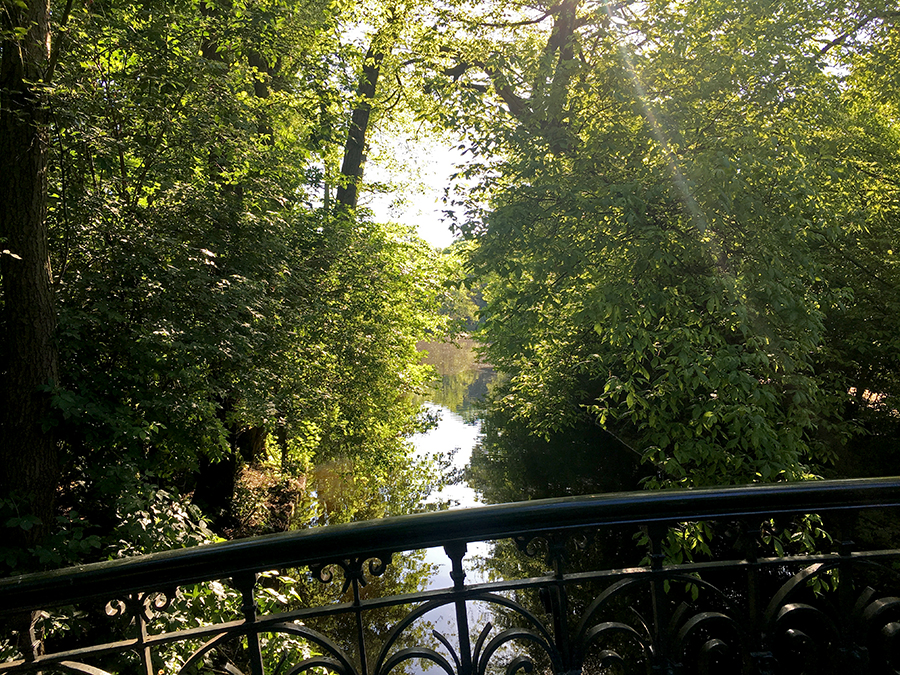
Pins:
x,y
682,224
215,305
682,220
686,224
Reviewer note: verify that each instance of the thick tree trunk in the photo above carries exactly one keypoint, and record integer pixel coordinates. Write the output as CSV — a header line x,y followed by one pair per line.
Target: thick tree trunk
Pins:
x,y
28,453
251,444
544,111
355,148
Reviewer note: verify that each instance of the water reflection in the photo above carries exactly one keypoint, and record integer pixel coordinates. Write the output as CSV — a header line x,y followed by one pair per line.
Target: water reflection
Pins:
x,y
463,379
487,459
496,460
455,398
453,438
510,464
501,461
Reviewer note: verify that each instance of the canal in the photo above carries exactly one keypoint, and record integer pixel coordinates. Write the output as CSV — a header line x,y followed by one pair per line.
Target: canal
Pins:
x,y
484,459
455,400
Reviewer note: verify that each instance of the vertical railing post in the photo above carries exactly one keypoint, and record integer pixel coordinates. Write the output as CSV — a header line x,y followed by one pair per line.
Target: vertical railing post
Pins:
x,y
661,638
245,583
140,618
853,654
559,599
354,572
748,546
456,552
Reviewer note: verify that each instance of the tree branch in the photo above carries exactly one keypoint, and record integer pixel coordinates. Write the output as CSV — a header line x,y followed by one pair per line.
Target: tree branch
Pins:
x,y
54,55
840,39
515,24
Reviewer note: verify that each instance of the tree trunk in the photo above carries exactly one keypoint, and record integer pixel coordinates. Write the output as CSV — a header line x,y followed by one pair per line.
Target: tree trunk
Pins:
x,y
28,360
214,491
354,150
250,444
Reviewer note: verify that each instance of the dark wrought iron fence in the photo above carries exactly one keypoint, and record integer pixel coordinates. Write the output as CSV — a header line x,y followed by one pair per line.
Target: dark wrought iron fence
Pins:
x,y
665,582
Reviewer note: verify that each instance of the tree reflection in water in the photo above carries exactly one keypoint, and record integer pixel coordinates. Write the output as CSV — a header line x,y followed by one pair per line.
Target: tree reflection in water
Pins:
x,y
509,464
502,462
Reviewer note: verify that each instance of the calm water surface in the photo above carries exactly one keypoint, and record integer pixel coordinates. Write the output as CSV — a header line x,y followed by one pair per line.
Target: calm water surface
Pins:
x,y
463,382
503,464
454,399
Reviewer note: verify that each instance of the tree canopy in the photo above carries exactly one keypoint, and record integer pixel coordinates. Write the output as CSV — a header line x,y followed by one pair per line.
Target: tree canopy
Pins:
x,y
212,296
682,222
685,224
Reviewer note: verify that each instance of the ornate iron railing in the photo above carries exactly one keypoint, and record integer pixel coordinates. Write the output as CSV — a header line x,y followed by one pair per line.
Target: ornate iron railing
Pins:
x,y
621,595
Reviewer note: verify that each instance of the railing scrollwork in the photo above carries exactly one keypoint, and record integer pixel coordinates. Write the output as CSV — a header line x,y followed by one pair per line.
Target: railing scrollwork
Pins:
x,y
560,598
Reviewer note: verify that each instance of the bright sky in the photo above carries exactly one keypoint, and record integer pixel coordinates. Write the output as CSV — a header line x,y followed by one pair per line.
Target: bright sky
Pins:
x,y
422,169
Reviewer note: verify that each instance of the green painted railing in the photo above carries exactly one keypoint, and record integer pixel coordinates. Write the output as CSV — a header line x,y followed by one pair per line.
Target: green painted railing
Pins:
x,y
583,584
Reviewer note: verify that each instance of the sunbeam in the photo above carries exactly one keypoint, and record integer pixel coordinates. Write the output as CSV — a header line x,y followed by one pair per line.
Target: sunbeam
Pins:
x,y
681,183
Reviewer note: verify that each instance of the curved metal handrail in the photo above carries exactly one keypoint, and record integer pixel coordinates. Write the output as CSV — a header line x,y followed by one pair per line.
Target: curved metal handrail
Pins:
x,y
391,535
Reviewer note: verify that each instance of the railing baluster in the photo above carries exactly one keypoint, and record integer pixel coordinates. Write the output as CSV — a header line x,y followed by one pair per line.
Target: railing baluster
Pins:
x,y
246,583
456,552
661,638
559,599
356,576
852,627
140,618
748,546
846,596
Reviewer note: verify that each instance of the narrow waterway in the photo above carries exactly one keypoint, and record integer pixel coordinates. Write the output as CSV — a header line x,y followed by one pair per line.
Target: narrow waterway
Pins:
x,y
454,399
486,462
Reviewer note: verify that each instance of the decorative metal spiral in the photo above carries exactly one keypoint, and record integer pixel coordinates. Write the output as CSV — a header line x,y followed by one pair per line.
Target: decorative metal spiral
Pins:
x,y
156,602
519,662
333,658
145,605
712,642
529,545
880,621
552,544
116,608
376,564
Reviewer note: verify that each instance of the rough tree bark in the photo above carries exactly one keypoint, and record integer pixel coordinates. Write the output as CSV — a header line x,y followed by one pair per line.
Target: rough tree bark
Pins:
x,y
29,463
28,453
